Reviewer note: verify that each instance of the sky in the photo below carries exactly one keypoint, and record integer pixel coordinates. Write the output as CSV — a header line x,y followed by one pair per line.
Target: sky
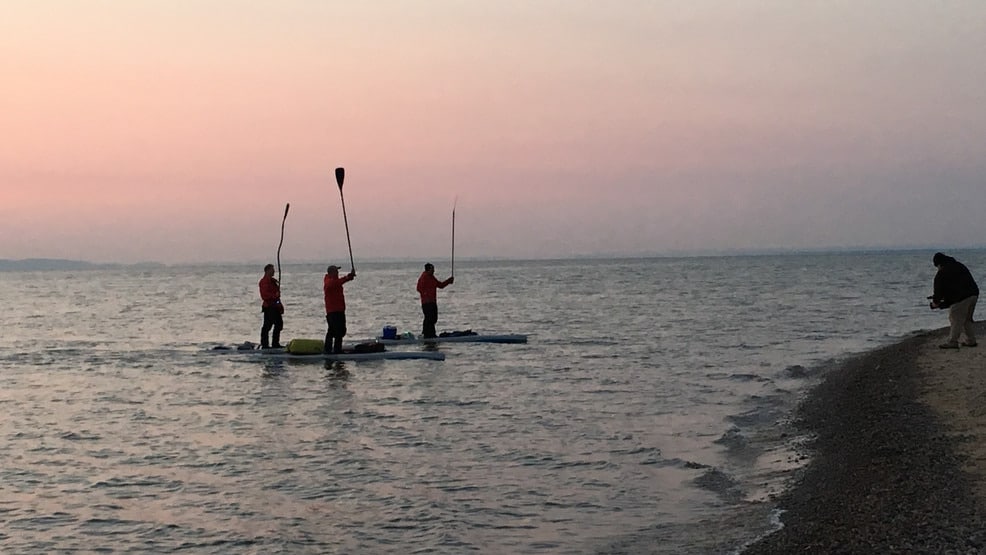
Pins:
x,y
177,131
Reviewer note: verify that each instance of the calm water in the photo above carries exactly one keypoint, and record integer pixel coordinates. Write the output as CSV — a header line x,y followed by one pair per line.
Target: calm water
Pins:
x,y
638,419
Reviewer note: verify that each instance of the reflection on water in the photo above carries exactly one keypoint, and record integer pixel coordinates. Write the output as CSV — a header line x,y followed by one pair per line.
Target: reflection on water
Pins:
x,y
337,372
273,368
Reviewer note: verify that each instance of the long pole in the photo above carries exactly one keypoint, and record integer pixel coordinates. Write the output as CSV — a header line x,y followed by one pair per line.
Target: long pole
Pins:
x,y
340,177
286,207
453,238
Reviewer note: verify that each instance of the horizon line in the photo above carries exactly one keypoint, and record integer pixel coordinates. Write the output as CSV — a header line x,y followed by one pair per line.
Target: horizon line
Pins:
x,y
691,253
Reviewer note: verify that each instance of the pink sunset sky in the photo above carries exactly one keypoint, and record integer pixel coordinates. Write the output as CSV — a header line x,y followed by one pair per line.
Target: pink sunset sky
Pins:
x,y
177,131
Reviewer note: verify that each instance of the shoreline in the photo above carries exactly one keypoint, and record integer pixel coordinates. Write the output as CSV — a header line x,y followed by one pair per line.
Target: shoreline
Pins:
x,y
898,460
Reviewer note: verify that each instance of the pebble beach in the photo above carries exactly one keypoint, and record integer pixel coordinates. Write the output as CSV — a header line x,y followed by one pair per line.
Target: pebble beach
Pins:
x,y
897,455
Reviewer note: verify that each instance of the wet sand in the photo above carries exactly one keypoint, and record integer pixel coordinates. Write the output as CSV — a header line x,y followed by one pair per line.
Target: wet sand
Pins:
x,y
898,463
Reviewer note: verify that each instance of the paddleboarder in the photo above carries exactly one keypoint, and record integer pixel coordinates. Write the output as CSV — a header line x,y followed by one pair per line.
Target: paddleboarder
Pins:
x,y
270,295
428,286
335,307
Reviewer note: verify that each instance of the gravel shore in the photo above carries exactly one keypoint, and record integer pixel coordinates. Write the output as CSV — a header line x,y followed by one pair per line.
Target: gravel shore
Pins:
x,y
899,456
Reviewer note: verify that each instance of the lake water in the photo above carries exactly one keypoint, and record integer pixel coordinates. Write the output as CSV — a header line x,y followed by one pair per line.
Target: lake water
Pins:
x,y
643,416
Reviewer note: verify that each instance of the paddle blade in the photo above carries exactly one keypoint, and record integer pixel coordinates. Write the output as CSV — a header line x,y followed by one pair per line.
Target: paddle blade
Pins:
x,y
340,176
286,207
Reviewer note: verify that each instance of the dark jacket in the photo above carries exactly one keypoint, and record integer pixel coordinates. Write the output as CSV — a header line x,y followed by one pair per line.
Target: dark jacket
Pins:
x,y
953,282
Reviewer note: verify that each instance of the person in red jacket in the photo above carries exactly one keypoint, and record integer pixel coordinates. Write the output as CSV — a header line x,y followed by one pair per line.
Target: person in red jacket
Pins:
x,y
428,286
270,294
335,307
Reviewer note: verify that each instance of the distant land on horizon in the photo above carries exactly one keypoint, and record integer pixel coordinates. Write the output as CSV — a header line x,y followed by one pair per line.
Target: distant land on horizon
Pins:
x,y
42,264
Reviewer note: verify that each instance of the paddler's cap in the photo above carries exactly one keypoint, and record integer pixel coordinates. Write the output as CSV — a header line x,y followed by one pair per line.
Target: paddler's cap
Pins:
x,y
332,268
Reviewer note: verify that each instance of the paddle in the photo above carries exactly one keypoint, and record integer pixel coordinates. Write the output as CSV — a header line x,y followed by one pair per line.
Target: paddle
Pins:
x,y
286,207
453,237
340,176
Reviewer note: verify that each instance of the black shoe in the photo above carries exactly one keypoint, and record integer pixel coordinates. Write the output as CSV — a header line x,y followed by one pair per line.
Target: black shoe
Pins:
x,y
277,346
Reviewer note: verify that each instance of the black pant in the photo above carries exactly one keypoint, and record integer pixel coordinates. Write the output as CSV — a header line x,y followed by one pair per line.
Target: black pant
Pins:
x,y
336,331
430,311
272,318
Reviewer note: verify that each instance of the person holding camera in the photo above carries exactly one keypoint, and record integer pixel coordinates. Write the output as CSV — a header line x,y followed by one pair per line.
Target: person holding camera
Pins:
x,y
956,290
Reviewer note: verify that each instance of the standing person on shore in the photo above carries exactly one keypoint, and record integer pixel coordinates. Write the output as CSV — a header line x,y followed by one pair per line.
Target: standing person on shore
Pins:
x,y
428,286
270,294
335,308
956,290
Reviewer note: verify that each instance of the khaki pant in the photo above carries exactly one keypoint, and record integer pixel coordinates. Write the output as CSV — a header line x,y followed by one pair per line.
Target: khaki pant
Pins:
x,y
960,317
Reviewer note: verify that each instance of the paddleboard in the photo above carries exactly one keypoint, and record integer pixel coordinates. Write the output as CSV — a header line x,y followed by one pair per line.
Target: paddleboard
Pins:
x,y
273,354
478,338
249,349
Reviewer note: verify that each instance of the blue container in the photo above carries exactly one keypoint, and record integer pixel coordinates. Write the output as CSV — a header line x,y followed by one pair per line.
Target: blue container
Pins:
x,y
389,332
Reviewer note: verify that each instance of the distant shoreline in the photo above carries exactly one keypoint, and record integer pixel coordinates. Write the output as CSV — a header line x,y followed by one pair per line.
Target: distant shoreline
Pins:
x,y
48,264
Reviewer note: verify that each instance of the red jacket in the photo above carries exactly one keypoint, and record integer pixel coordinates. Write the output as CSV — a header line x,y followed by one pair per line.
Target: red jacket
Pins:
x,y
428,286
335,301
270,291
